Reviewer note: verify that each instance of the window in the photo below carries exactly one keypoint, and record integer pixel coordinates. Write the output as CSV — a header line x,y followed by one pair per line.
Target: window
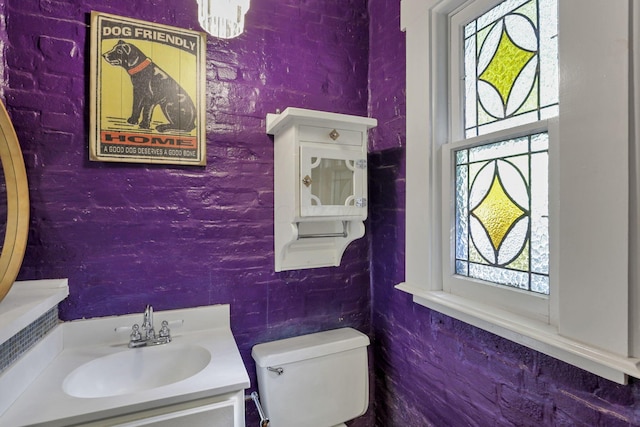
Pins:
x,y
509,76
501,213
510,63
503,60
503,133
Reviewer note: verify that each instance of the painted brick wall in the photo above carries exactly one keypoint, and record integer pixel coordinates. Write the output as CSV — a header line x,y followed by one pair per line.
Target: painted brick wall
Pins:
x,y
432,370
128,235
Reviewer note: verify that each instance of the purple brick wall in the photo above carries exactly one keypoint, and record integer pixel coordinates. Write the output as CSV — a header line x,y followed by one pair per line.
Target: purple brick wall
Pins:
x,y
127,235
432,370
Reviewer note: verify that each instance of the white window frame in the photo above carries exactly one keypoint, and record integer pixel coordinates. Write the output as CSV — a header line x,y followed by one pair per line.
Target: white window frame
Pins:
x,y
594,204
510,299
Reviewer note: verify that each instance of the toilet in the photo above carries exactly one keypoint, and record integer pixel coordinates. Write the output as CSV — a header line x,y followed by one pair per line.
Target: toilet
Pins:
x,y
315,380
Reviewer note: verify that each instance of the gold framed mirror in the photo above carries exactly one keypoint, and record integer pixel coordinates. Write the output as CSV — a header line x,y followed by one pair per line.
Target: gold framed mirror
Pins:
x,y
17,204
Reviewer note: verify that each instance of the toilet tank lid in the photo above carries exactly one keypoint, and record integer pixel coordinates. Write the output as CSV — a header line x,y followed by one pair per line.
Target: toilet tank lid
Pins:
x,y
308,346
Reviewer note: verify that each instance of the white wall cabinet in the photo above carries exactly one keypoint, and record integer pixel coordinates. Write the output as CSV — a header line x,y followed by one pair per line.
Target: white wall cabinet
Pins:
x,y
320,185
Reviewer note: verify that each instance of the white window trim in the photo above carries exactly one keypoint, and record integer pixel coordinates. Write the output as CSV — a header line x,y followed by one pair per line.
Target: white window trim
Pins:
x,y
592,306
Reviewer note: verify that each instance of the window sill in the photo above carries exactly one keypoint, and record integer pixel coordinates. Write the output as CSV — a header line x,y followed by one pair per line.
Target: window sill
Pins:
x,y
537,335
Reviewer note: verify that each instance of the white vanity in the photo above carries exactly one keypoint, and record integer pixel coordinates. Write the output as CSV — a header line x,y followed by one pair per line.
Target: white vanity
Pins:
x,y
84,373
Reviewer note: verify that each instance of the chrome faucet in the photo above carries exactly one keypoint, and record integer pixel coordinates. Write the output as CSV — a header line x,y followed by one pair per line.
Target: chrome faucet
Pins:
x,y
147,336
147,323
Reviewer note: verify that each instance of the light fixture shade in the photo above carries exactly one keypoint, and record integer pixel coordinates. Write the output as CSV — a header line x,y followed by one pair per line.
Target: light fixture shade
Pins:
x,y
222,18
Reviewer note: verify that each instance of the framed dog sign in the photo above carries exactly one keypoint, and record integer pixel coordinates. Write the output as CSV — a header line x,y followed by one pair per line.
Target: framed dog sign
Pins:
x,y
147,92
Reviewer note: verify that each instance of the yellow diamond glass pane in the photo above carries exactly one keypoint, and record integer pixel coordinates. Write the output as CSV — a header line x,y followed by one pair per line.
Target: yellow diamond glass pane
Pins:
x,y
497,213
505,66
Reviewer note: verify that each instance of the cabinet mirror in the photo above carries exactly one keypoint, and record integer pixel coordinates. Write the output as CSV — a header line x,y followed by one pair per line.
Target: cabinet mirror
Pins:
x,y
331,182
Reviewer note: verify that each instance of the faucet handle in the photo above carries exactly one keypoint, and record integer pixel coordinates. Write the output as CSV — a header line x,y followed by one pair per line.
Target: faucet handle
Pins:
x,y
164,330
135,333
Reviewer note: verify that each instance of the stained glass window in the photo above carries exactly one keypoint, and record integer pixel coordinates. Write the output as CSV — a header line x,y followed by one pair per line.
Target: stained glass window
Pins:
x,y
501,204
510,56
510,66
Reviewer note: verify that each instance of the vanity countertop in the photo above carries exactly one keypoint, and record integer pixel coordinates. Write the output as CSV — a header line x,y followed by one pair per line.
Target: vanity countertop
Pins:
x,y
26,301
44,402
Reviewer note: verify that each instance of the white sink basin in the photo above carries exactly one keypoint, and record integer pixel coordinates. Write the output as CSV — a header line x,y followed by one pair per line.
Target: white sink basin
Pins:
x,y
135,370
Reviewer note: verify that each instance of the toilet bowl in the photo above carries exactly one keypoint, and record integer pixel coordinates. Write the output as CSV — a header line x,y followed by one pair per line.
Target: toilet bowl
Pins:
x,y
315,380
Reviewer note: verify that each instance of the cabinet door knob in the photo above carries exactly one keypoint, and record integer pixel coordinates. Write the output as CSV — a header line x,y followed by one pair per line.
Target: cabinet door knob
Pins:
x,y
307,180
334,134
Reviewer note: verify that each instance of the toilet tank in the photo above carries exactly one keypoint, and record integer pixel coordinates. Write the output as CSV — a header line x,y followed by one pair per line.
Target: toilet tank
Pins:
x,y
315,380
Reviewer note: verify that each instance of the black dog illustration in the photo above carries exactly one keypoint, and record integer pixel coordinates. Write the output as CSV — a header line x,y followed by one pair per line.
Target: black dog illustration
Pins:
x,y
152,86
